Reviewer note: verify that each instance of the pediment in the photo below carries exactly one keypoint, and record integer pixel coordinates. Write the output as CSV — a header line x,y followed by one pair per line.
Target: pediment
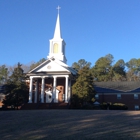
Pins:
x,y
51,65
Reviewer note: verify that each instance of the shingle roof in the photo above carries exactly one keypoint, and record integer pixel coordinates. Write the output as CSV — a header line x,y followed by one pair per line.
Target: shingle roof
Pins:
x,y
125,86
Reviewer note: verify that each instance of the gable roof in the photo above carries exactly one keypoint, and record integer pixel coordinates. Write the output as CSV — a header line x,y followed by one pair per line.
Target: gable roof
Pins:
x,y
53,65
112,87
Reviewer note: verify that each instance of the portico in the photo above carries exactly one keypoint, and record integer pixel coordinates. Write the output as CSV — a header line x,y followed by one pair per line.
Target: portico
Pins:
x,y
50,94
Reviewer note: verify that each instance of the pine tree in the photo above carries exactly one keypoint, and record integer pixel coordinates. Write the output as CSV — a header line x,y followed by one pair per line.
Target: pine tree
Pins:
x,y
16,88
83,90
3,74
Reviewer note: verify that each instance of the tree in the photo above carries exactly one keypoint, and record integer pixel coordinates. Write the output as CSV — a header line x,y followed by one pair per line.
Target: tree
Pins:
x,y
110,58
137,72
119,70
36,64
16,88
3,74
80,64
82,90
138,64
132,66
102,71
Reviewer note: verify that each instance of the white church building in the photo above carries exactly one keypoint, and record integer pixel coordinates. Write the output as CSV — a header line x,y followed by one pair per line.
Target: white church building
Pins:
x,y
50,82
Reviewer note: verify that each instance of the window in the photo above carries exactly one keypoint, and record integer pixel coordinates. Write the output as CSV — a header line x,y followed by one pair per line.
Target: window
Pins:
x,y
96,96
55,48
136,107
136,96
118,96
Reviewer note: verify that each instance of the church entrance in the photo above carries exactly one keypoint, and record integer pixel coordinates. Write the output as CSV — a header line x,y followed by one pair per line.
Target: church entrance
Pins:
x,y
54,89
49,96
61,88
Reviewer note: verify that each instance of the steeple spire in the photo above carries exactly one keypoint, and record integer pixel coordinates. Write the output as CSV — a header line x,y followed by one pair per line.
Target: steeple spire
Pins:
x,y
57,32
57,44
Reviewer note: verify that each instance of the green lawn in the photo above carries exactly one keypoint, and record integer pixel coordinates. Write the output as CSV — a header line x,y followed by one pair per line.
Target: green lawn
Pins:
x,y
69,125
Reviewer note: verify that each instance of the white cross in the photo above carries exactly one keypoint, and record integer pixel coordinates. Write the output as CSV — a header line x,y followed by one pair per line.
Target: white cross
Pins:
x,y
58,8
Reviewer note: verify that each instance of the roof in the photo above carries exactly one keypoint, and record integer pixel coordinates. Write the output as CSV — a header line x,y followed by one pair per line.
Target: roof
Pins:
x,y
117,87
96,103
53,65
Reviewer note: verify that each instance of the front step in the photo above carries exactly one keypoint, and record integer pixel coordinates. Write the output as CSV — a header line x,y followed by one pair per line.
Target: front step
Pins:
x,y
33,106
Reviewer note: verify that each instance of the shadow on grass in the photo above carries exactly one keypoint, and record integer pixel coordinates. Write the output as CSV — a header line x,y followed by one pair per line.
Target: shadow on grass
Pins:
x,y
69,124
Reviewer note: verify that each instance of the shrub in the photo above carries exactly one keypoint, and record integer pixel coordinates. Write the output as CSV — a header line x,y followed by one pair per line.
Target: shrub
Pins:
x,y
118,106
105,105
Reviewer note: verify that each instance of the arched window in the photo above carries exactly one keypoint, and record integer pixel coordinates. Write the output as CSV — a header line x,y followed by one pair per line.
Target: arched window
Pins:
x,y
55,48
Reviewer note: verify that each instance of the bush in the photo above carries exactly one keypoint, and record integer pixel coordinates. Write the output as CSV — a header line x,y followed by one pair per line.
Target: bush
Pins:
x,y
104,105
115,106
118,106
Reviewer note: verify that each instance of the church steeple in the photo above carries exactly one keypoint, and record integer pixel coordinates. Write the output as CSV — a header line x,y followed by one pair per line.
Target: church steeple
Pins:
x,y
57,32
57,44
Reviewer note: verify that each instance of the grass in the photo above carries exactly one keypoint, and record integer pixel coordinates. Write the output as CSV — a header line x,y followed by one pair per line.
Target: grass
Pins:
x,y
69,125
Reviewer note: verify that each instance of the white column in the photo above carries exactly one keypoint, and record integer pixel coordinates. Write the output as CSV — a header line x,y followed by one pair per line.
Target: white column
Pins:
x,y
54,89
69,90
31,90
42,89
66,89
36,91
57,92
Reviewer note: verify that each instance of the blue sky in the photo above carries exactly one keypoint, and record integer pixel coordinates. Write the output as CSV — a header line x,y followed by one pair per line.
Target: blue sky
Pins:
x,y
90,28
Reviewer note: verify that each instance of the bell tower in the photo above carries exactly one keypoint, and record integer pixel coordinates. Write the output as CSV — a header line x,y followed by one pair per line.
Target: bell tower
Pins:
x,y
57,44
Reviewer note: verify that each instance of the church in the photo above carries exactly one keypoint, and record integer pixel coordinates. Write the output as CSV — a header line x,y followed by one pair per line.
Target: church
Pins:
x,y
50,82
